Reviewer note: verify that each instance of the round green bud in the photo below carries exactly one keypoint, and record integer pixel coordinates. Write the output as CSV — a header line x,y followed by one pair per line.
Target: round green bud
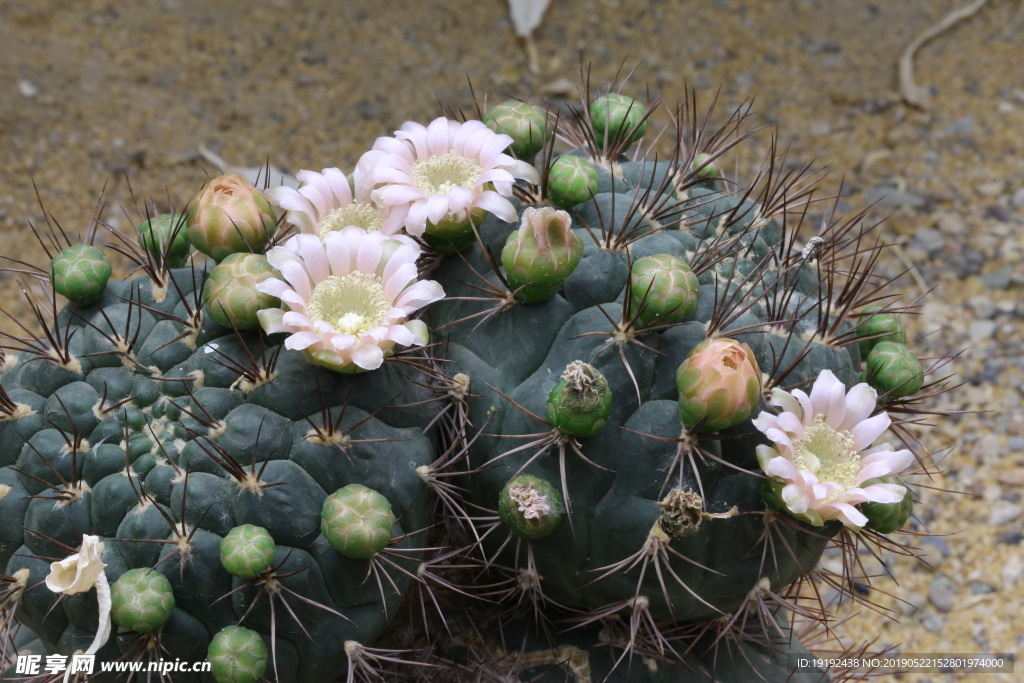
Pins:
x,y
525,123
247,550
451,235
894,369
541,254
80,273
571,181
157,232
663,290
230,292
531,507
617,116
705,167
881,327
719,385
579,404
886,518
357,521
141,600
230,216
237,655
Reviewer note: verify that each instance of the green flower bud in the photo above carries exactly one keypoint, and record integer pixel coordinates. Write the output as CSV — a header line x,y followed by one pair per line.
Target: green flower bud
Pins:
x,y
705,167
580,403
247,550
453,234
886,518
230,216
525,123
237,655
885,325
141,600
80,273
663,289
541,254
571,181
230,292
530,506
719,383
357,521
619,115
155,233
892,367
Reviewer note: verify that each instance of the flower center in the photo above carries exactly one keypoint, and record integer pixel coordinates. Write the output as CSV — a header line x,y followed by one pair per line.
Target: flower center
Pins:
x,y
828,454
439,174
360,214
352,303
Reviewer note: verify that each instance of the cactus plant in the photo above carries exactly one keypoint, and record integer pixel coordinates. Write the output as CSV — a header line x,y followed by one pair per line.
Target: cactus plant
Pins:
x,y
607,395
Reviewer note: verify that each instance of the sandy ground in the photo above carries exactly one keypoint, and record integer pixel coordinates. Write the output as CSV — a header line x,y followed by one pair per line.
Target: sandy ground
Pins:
x,y
96,93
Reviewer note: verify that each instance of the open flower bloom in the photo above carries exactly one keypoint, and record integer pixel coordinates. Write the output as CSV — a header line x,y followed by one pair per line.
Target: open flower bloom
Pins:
x,y
822,450
324,202
349,296
443,171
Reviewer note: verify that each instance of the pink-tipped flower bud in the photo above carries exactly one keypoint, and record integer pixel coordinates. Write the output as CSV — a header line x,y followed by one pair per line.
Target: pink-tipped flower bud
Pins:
x,y
229,216
719,385
541,254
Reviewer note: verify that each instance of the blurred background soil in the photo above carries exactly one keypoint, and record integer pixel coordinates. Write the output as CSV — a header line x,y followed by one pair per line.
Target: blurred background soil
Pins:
x,y
93,92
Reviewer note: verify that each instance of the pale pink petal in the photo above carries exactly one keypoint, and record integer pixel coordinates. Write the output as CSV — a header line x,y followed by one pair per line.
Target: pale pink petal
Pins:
x,y
270,320
396,283
301,340
866,432
860,403
795,498
437,208
780,467
849,515
295,319
437,136
368,356
420,333
272,287
496,204
416,221
783,399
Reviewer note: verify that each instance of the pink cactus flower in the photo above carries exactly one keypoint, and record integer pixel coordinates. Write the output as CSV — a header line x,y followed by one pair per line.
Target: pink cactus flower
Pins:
x,y
822,451
325,202
442,172
349,295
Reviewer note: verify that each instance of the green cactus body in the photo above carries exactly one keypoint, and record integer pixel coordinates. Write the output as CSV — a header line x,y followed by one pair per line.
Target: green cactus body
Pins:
x,y
894,369
157,232
237,655
205,401
571,181
880,327
522,352
617,116
247,550
887,518
231,295
80,273
525,123
141,600
357,521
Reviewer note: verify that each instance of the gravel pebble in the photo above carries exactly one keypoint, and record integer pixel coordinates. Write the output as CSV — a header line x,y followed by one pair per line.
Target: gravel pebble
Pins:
x,y
1012,537
1003,512
981,588
998,279
941,595
933,622
1018,199
1014,477
983,306
1015,443
1013,572
980,330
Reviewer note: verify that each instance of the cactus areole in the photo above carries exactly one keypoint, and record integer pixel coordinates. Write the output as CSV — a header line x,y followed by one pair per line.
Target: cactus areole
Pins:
x,y
602,392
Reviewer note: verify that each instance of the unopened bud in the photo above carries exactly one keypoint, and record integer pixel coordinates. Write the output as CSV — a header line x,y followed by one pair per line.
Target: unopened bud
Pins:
x,y
230,216
541,254
719,385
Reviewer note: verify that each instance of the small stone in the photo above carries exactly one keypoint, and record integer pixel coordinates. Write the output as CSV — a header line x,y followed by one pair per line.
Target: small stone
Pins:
x,y
820,128
27,89
991,188
999,213
983,306
1013,572
949,223
931,239
981,330
1018,199
1013,537
933,622
960,127
930,557
891,198
910,605
1014,477
981,588
998,279
1003,512
937,542
1015,443
941,596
